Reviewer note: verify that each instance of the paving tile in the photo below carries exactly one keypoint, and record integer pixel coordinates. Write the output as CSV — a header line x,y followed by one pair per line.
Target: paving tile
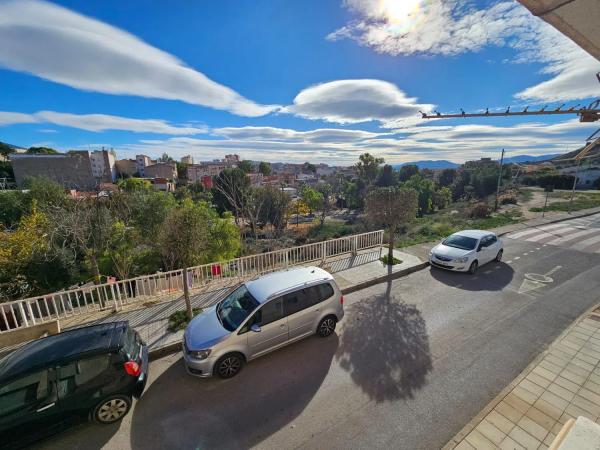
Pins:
x,y
555,351
590,323
490,432
580,335
581,363
555,400
539,380
571,344
554,368
523,438
564,418
500,422
589,395
549,438
542,447
563,382
548,409
516,402
584,330
541,419
578,370
587,405
510,444
545,373
534,429
572,376
589,353
558,361
508,411
576,411
567,350
591,386
531,387
587,358
525,395
477,440
595,378
464,445
561,392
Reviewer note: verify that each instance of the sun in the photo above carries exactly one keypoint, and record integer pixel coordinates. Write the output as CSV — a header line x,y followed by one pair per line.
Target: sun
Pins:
x,y
398,11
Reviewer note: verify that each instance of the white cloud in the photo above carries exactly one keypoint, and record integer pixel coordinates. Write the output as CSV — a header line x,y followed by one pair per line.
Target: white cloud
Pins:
x,y
99,122
457,143
354,101
452,27
60,45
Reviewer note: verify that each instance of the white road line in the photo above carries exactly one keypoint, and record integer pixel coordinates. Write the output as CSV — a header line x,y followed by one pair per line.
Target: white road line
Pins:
x,y
587,242
546,235
520,234
509,261
573,236
517,257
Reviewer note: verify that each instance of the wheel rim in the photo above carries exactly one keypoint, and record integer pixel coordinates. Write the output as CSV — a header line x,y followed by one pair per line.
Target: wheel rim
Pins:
x,y
474,267
112,410
499,257
229,366
327,327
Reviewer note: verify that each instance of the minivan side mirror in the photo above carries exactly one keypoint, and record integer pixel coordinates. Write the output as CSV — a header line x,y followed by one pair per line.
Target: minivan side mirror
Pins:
x,y
255,328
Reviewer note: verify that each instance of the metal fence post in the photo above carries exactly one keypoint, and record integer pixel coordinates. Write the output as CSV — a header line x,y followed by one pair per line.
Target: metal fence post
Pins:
x,y
354,245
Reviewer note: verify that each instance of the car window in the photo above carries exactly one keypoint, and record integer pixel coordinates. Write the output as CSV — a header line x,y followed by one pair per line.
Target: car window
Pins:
x,y
269,313
462,242
78,373
235,308
25,391
492,240
297,301
325,291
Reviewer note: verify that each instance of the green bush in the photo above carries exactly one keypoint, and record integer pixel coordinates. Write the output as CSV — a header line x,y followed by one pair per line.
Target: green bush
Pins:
x,y
178,320
479,211
386,260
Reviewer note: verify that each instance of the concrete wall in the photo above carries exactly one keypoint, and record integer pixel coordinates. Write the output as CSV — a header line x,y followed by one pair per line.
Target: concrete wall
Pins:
x,y
73,171
161,170
19,335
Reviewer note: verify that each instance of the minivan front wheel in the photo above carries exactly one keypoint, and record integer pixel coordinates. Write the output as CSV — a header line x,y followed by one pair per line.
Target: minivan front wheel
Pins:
x,y
112,409
326,326
229,365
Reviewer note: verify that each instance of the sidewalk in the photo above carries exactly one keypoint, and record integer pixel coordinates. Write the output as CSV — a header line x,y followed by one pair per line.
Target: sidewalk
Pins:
x,y
562,383
350,272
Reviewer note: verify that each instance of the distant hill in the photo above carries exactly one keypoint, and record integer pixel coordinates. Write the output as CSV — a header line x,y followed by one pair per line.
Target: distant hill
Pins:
x,y
430,164
528,158
594,152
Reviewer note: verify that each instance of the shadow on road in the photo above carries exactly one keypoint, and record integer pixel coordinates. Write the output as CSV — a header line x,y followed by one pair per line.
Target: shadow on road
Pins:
x,y
385,348
79,434
491,277
179,411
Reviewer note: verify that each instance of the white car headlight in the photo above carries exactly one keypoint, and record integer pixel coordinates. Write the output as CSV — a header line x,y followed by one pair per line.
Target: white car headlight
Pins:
x,y
462,260
200,354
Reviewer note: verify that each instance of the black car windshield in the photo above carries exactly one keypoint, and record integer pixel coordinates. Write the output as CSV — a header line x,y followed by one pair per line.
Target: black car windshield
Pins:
x,y
234,308
462,242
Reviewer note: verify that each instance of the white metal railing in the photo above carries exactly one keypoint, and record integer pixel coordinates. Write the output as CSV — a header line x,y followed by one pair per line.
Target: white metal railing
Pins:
x,y
85,300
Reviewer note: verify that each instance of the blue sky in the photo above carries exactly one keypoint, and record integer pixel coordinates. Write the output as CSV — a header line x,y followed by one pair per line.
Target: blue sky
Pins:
x,y
283,80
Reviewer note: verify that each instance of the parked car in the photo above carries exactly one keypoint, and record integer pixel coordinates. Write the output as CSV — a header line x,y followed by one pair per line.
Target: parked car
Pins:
x,y
90,372
466,250
260,316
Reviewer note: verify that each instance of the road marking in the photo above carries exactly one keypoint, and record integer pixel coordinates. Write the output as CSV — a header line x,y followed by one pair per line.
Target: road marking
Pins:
x,y
586,242
537,248
488,271
517,257
573,236
533,281
520,234
525,254
508,262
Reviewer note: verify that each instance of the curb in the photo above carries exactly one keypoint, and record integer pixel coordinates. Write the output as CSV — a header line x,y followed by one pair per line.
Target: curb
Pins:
x,y
564,219
472,424
174,347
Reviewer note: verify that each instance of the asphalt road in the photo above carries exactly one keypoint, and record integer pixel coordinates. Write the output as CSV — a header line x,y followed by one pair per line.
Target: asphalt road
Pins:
x,y
413,361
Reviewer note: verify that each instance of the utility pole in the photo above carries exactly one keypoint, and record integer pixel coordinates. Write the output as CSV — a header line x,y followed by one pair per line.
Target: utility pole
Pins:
x,y
499,181
574,184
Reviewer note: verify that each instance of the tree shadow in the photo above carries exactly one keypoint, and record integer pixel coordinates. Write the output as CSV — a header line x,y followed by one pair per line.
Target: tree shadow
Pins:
x,y
180,411
493,276
385,347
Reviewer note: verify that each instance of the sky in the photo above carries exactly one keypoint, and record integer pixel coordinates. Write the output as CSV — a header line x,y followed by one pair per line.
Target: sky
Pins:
x,y
288,80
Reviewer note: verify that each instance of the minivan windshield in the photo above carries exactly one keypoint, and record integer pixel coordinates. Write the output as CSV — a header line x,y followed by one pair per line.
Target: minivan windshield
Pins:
x,y
234,308
462,242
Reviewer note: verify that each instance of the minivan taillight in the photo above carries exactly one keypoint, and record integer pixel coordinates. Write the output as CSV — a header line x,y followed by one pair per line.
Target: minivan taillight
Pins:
x,y
341,299
132,368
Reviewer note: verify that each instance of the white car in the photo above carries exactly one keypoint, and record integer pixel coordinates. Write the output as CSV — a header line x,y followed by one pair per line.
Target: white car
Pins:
x,y
466,250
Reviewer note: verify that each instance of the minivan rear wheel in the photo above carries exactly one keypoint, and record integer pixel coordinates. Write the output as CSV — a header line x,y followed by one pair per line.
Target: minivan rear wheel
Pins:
x,y
111,409
229,365
326,326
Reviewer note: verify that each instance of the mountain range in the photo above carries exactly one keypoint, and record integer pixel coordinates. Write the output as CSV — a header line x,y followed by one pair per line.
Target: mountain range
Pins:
x,y
445,164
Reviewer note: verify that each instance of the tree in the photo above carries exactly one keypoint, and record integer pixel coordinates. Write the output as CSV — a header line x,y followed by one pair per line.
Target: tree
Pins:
x,y
407,171
13,205
165,158
230,191
390,207
5,149
41,151
246,166
325,190
44,191
425,189
182,171
367,167
264,168
134,184
442,198
309,168
312,198
446,177
275,205
6,170
194,234
387,177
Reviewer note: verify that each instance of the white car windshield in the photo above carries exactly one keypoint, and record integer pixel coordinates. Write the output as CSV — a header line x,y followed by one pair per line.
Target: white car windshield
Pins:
x,y
462,242
234,308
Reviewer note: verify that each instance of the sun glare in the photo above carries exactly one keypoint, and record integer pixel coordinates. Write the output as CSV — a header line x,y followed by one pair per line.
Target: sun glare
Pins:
x,y
399,11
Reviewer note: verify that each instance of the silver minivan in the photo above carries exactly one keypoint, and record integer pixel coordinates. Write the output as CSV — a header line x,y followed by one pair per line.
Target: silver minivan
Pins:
x,y
260,316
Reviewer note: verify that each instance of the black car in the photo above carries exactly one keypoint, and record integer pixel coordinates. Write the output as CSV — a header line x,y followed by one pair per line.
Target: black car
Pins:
x,y
89,372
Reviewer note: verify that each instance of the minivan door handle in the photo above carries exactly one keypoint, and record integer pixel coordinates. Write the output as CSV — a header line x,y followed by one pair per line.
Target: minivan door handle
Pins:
x,y
43,408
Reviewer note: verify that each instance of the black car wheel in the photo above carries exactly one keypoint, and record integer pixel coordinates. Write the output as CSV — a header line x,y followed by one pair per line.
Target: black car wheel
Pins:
x,y
326,326
229,365
112,409
473,267
499,256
